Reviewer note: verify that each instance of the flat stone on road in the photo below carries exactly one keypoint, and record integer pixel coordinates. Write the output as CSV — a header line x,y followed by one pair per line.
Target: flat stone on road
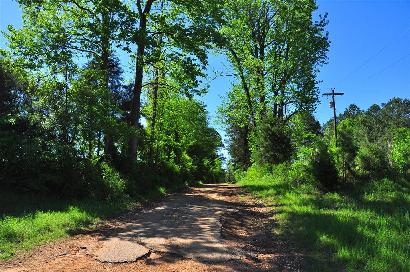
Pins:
x,y
116,250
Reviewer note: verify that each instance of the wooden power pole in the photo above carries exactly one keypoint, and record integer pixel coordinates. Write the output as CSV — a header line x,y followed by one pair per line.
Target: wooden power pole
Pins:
x,y
333,94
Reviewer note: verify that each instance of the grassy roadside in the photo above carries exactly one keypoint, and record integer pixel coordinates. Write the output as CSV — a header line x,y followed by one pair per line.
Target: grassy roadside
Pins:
x,y
368,230
29,220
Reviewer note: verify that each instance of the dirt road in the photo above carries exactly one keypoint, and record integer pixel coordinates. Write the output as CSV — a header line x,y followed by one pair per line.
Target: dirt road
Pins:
x,y
211,228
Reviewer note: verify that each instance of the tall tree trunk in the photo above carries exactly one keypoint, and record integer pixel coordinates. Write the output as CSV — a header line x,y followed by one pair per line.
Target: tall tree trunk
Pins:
x,y
261,79
246,151
99,143
275,104
157,74
247,147
109,147
282,87
135,114
154,114
282,100
65,125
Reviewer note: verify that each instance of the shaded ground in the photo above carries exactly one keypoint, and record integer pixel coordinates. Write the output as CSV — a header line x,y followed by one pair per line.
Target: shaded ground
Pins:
x,y
211,228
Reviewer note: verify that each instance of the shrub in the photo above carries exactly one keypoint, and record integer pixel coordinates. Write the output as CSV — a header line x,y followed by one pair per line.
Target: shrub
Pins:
x,y
400,150
113,184
301,168
323,168
272,143
370,161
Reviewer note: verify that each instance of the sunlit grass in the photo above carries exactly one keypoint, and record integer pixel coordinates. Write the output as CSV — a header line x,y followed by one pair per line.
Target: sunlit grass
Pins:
x,y
27,221
24,232
367,230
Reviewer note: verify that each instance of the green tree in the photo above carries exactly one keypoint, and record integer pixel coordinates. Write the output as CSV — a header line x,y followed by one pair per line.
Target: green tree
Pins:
x,y
77,95
275,48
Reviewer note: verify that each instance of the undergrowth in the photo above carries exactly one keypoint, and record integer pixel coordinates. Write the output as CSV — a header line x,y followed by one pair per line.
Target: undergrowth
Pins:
x,y
364,230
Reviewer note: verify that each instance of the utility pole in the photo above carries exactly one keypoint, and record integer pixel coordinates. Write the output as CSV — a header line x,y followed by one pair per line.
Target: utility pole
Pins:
x,y
333,94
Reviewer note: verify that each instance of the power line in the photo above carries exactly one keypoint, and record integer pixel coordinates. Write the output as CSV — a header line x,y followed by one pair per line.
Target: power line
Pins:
x,y
367,61
390,65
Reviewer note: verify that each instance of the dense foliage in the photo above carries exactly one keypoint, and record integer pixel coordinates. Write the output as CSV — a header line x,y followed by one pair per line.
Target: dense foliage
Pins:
x,y
372,143
276,49
76,122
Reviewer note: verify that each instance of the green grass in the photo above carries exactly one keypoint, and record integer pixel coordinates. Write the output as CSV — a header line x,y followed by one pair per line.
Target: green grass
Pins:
x,y
365,230
30,220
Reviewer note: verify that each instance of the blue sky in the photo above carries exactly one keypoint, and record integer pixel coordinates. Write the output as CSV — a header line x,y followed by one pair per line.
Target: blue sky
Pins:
x,y
369,57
